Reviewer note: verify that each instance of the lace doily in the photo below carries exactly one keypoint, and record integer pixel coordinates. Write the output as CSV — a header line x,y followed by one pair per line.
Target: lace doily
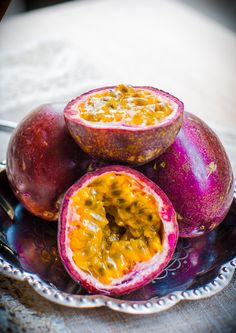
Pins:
x,y
49,71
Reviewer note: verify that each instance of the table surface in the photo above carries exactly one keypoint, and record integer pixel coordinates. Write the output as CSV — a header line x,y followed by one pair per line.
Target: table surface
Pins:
x,y
56,53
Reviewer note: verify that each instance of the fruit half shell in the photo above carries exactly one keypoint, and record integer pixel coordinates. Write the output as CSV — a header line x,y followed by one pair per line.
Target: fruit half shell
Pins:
x,y
142,272
125,143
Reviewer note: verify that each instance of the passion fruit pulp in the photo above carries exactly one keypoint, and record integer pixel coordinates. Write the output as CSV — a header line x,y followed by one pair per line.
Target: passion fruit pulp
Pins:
x,y
125,124
117,230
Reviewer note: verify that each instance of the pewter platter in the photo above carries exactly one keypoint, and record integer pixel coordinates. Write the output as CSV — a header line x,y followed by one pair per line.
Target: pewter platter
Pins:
x,y
200,268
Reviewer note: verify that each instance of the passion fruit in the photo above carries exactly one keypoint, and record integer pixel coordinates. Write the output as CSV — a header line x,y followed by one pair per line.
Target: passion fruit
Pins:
x,y
43,161
117,230
125,124
196,175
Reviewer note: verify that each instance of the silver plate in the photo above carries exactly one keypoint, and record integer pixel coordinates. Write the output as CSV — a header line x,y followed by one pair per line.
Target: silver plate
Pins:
x,y
200,268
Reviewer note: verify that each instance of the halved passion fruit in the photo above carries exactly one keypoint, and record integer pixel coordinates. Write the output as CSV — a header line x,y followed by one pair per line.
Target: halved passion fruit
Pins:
x,y
132,125
117,230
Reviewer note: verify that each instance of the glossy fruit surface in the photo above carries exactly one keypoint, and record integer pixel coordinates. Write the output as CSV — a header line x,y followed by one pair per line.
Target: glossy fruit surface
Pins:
x,y
43,161
117,230
124,124
196,175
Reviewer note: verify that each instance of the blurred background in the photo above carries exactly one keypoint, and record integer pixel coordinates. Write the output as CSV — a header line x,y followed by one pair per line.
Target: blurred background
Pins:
x,y
223,11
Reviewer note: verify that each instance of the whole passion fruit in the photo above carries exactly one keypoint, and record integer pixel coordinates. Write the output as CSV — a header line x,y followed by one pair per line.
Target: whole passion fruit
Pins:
x,y
43,161
125,124
196,175
117,230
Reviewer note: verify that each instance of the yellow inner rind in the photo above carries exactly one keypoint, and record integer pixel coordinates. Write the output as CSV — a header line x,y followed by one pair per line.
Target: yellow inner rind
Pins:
x,y
114,225
125,105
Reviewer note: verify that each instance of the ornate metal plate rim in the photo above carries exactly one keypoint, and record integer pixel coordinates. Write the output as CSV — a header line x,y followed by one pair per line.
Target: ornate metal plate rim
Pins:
x,y
154,305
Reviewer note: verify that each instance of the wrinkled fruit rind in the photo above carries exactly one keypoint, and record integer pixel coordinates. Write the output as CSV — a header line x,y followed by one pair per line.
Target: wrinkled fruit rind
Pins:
x,y
124,144
196,175
43,161
142,273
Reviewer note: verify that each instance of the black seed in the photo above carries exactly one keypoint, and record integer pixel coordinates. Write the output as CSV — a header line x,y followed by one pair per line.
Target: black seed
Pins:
x,y
128,209
141,211
123,88
121,201
111,106
101,270
88,202
149,217
110,218
116,193
114,185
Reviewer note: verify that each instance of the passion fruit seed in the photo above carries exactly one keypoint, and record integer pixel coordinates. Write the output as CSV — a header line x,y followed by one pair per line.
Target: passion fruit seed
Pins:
x,y
88,202
124,104
107,241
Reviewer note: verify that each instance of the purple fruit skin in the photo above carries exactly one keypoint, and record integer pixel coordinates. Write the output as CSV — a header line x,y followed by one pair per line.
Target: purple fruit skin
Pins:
x,y
127,144
196,175
43,161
